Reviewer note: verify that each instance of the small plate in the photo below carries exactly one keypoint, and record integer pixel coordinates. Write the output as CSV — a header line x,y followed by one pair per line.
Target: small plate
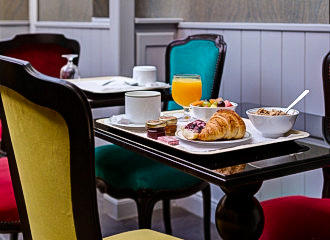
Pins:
x,y
124,125
219,143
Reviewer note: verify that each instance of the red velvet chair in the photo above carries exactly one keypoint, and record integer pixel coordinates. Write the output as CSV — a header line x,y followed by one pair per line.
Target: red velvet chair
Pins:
x,y
298,217
44,52
9,220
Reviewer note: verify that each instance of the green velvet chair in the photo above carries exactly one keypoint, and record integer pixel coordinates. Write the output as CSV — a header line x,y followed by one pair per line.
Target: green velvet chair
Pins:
x,y
145,180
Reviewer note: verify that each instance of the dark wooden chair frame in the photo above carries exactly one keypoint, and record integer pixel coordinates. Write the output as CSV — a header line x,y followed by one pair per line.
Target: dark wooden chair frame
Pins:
x,y
12,228
21,77
35,38
326,121
146,198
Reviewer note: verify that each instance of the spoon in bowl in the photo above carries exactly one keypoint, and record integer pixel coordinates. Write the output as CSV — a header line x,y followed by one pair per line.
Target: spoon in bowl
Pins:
x,y
301,96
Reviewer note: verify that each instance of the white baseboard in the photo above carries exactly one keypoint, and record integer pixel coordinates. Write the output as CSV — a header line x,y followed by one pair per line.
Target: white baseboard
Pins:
x,y
119,209
194,204
126,208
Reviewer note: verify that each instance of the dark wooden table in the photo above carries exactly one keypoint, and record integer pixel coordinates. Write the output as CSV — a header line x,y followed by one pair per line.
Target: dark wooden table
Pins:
x,y
239,215
103,99
98,100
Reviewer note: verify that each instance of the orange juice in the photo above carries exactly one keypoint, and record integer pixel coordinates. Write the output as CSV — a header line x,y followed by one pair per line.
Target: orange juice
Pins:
x,y
186,90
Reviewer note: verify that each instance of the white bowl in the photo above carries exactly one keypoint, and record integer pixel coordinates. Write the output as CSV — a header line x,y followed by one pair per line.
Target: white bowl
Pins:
x,y
273,126
205,113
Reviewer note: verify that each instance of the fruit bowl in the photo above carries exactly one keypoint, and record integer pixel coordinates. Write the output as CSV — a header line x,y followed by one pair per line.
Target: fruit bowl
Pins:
x,y
205,113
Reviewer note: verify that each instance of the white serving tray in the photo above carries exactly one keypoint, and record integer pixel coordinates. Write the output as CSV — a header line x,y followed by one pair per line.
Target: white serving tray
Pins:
x,y
257,139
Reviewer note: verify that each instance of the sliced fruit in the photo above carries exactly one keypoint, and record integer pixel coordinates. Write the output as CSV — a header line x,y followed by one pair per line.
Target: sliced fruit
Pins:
x,y
221,104
219,99
213,101
197,103
214,105
206,104
228,104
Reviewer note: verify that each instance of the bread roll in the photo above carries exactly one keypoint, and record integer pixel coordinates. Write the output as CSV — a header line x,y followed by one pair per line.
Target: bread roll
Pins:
x,y
224,124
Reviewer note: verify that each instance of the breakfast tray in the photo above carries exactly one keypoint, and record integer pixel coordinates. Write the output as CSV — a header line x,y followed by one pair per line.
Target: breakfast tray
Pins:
x,y
256,140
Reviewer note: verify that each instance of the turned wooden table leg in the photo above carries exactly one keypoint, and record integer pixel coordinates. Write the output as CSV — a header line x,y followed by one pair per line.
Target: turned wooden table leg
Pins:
x,y
326,182
239,215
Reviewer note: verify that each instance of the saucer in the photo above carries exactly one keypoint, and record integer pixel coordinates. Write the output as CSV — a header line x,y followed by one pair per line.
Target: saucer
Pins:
x,y
117,121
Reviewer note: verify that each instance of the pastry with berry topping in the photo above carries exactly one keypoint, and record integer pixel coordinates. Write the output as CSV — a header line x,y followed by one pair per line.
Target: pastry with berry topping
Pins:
x,y
223,125
193,129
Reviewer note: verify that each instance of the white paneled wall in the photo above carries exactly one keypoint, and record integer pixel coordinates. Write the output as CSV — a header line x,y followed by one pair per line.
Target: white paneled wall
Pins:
x,y
271,66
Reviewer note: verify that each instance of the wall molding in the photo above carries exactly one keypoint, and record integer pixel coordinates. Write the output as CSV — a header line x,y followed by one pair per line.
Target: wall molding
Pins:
x,y
256,26
78,25
194,205
158,20
13,23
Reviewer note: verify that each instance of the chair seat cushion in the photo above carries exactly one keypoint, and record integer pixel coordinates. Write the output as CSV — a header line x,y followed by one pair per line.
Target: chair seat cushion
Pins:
x,y
8,209
296,218
124,169
143,234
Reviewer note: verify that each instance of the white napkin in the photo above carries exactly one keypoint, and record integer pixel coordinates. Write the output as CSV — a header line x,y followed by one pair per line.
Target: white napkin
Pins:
x,y
157,84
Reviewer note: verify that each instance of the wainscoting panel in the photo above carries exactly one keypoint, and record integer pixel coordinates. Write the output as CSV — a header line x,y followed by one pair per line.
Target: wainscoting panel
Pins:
x,y
293,71
9,29
232,72
271,68
251,66
151,48
317,45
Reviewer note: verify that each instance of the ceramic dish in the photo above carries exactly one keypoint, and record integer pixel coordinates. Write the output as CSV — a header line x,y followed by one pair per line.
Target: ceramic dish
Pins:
x,y
272,126
205,113
117,121
219,143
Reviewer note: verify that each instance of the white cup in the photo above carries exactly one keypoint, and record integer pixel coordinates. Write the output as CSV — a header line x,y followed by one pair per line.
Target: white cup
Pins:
x,y
145,74
141,106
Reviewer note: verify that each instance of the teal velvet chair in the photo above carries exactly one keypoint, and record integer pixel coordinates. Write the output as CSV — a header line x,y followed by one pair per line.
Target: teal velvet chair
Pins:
x,y
125,174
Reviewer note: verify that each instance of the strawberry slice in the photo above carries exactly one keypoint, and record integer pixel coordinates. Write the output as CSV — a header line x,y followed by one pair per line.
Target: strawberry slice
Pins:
x,y
228,104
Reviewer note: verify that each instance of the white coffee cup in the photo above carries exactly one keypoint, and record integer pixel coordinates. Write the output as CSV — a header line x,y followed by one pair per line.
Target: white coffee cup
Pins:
x,y
141,106
145,74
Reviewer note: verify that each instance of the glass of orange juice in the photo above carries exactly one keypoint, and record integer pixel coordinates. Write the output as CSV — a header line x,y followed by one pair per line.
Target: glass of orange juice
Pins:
x,y
186,89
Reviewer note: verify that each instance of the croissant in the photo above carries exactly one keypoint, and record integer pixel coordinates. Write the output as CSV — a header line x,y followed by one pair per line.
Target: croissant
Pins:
x,y
224,124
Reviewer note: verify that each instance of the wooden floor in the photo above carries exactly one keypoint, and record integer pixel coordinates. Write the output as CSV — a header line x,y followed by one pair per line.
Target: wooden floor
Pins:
x,y
185,225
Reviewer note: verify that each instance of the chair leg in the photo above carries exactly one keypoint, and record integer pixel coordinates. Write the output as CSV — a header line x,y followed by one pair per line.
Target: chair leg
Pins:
x,y
167,215
207,211
145,208
14,236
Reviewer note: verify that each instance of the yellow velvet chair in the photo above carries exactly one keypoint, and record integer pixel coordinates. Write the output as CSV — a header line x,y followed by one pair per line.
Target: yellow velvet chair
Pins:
x,y
48,131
